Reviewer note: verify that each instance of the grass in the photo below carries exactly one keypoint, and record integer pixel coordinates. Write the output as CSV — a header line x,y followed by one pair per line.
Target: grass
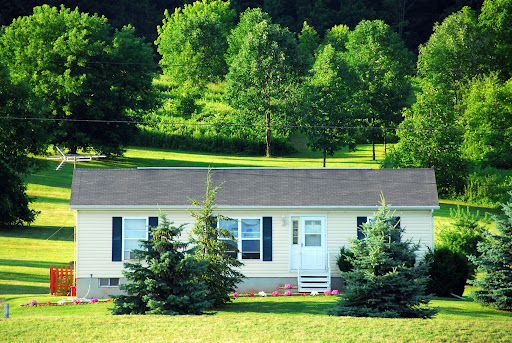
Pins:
x,y
256,320
26,254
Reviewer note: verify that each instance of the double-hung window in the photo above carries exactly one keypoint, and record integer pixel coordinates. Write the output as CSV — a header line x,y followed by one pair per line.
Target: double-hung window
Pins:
x,y
134,230
247,233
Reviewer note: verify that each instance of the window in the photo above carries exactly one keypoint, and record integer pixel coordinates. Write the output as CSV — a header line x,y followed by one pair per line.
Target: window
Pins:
x,y
361,221
295,231
134,230
108,282
247,234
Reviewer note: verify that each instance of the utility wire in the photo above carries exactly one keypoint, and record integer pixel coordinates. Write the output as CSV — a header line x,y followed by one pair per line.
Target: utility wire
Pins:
x,y
105,121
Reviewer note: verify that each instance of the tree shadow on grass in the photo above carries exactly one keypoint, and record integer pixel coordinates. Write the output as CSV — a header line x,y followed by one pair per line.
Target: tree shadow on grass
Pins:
x,y
52,233
293,305
24,289
25,277
29,263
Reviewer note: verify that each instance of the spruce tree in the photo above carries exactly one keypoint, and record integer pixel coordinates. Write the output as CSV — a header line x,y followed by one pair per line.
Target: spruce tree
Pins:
x,y
211,246
166,278
384,281
495,264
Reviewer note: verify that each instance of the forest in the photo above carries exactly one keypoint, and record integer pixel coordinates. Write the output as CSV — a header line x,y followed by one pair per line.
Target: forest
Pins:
x,y
431,80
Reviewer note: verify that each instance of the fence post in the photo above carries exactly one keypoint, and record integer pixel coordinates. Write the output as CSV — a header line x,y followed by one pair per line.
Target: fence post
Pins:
x,y
6,311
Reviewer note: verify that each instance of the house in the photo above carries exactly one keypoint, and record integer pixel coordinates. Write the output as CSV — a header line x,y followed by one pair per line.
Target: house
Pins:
x,y
290,223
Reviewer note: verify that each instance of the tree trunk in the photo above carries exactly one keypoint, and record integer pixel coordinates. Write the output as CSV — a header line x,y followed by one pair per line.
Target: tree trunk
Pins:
x,y
268,135
373,145
72,150
385,147
325,155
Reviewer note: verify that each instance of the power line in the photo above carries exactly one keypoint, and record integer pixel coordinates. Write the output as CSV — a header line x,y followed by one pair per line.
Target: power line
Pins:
x,y
150,123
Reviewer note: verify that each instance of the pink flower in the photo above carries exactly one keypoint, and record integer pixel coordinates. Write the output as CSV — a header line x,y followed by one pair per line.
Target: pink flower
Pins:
x,y
33,303
275,294
93,300
76,301
327,293
335,292
236,294
288,293
278,287
288,286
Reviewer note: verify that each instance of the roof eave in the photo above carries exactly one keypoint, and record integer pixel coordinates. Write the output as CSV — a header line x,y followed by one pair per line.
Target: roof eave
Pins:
x,y
228,207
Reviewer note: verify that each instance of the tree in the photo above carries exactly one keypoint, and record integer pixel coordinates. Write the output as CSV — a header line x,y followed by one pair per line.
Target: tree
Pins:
x,y
384,281
495,19
487,107
166,280
261,75
85,72
383,65
326,110
192,42
448,271
495,264
211,246
308,43
454,54
18,139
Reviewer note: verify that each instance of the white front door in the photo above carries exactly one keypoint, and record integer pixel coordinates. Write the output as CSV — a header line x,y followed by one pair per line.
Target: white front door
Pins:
x,y
313,243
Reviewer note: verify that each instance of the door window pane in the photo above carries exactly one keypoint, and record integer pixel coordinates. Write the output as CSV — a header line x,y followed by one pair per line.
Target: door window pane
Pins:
x,y
313,240
312,226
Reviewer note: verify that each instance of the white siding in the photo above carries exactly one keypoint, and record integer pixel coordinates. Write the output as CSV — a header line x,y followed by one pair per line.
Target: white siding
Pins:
x,y
94,237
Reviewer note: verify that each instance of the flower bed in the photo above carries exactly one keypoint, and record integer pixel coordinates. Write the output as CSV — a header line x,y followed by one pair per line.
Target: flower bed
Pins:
x,y
288,292
66,302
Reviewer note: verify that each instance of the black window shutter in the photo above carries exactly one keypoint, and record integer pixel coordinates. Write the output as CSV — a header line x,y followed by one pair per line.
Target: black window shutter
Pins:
x,y
267,238
152,223
117,239
360,221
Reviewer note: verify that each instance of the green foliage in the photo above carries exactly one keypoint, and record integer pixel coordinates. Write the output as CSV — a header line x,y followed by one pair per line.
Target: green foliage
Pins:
x,y
221,275
18,138
463,235
343,260
494,263
261,74
308,43
454,54
83,70
383,65
495,19
487,108
384,281
448,271
488,186
192,42
166,280
337,36
326,104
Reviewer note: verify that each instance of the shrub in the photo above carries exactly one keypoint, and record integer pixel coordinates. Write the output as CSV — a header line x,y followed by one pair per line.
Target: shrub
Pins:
x,y
448,272
464,234
343,260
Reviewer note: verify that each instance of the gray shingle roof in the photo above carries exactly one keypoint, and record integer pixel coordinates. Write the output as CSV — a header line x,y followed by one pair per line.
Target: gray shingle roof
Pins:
x,y
259,187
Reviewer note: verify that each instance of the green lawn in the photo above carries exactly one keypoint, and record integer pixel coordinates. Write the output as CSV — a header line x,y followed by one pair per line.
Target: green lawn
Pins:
x,y
257,319
27,253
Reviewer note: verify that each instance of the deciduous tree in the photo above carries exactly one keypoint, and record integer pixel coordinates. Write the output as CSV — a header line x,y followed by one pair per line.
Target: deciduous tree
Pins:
x,y
86,72
261,75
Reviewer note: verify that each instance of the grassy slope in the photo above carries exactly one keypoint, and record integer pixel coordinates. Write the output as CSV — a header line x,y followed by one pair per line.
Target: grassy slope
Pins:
x,y
26,254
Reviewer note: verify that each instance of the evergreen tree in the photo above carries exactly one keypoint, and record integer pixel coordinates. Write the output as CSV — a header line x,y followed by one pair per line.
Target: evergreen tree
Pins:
x,y
384,281
166,278
495,264
212,245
